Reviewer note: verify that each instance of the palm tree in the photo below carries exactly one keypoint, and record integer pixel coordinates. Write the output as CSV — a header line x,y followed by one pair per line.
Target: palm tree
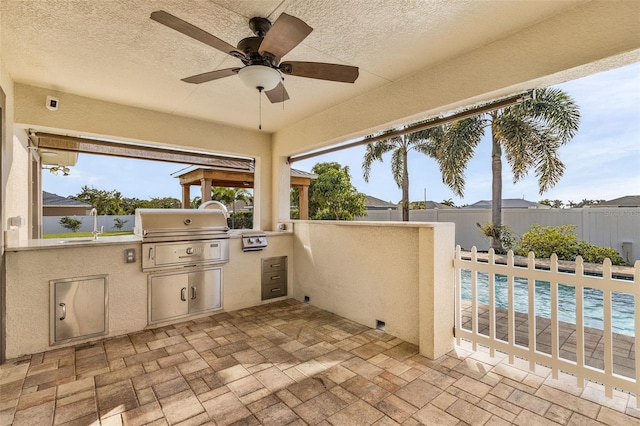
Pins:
x,y
229,196
530,134
399,146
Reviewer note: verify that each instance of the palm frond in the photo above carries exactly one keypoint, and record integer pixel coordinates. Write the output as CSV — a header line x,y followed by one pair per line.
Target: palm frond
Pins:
x,y
549,168
397,166
374,152
455,148
556,111
518,138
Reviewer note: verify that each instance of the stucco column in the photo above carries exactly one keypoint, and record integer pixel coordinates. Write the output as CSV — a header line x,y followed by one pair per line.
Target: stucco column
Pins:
x,y
186,196
436,287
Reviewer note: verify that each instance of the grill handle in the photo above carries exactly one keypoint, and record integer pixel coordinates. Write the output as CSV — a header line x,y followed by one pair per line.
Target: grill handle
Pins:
x,y
193,293
151,253
183,295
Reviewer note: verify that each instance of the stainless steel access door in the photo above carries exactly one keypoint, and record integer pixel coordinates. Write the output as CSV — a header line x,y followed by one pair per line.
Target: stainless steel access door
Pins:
x,y
78,308
205,290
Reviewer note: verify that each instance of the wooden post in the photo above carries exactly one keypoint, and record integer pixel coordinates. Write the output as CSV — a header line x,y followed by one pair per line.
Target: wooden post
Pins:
x,y
205,187
304,202
186,196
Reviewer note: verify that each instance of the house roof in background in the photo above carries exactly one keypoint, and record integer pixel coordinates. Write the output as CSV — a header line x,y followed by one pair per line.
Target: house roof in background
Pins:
x,y
509,203
54,200
435,205
377,203
626,201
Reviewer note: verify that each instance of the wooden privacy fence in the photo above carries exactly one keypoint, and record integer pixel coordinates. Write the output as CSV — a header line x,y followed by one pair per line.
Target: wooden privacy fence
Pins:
x,y
539,315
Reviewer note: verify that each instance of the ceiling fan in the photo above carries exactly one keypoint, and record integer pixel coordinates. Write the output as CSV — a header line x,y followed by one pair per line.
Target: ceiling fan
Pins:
x,y
261,54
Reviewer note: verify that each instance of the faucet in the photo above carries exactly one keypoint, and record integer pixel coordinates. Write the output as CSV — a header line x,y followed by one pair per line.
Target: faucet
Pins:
x,y
95,232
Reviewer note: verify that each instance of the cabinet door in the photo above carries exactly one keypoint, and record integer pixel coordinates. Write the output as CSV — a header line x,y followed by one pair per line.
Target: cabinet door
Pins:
x,y
79,307
205,290
169,296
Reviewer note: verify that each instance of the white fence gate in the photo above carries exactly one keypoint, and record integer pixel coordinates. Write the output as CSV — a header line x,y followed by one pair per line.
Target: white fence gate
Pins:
x,y
545,316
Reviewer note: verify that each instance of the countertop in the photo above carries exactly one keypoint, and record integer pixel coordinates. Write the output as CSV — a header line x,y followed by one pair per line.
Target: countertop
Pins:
x,y
56,243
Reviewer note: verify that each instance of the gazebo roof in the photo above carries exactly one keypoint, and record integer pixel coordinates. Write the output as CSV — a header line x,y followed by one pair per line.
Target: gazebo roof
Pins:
x,y
236,178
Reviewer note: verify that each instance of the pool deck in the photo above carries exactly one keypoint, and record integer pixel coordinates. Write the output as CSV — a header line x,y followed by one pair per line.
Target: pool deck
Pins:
x,y
290,363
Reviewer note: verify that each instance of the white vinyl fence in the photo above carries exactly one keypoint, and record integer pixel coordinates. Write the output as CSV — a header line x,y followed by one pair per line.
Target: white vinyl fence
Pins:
x,y
618,228
567,321
51,224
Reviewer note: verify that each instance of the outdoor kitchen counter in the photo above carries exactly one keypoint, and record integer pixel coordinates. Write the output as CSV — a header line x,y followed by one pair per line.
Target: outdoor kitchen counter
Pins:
x,y
50,243
32,264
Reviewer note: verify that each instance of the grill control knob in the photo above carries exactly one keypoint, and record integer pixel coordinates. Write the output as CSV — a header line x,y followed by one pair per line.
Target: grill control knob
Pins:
x,y
258,240
250,240
189,250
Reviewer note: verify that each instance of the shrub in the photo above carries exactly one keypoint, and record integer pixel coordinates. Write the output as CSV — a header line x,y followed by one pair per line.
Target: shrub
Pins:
x,y
503,233
70,223
545,240
119,223
562,240
596,254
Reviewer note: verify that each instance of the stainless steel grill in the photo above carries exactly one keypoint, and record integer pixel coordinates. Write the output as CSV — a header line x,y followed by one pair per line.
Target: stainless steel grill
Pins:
x,y
182,238
156,225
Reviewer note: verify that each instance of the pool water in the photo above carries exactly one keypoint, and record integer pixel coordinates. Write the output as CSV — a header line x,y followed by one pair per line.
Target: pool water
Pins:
x,y
622,304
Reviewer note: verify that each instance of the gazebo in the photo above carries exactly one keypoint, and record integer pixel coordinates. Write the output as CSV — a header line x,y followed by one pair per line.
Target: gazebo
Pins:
x,y
229,177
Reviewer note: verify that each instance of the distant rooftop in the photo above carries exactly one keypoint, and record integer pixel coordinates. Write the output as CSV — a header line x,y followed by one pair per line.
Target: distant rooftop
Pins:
x,y
374,203
626,201
509,203
436,205
54,200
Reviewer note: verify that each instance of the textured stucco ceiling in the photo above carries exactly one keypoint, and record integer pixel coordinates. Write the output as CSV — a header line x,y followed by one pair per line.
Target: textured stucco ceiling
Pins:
x,y
111,50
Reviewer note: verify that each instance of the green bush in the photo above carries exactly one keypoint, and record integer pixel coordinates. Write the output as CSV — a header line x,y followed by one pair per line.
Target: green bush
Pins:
x,y
596,254
243,220
545,240
70,223
503,233
563,241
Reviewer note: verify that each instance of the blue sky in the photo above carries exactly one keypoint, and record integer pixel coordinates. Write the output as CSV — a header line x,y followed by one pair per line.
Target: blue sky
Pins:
x,y
602,161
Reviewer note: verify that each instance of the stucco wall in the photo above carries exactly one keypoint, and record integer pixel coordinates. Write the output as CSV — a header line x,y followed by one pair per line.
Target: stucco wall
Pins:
x,y
398,273
18,186
29,272
78,115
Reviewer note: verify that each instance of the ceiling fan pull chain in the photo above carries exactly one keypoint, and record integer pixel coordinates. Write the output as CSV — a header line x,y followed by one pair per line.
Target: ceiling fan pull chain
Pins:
x,y
260,89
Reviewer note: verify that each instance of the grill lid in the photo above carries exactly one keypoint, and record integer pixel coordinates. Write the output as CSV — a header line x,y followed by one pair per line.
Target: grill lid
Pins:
x,y
180,224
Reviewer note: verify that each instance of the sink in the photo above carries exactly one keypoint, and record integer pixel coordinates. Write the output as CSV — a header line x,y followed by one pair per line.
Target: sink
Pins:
x,y
80,240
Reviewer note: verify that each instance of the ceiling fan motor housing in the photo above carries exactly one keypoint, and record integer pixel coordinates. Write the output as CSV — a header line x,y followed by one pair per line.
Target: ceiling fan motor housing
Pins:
x,y
249,46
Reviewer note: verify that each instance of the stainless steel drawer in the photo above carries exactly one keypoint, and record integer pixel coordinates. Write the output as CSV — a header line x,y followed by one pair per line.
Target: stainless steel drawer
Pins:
x,y
274,264
274,290
274,277
157,256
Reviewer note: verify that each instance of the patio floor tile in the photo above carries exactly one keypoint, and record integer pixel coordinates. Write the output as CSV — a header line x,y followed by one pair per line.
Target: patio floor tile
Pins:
x,y
290,363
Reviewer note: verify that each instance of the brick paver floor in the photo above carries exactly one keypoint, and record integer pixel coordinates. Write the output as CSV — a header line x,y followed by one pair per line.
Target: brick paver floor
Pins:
x,y
288,363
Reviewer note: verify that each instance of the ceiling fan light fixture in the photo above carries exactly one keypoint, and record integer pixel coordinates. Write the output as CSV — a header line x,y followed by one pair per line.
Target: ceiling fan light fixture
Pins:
x,y
256,76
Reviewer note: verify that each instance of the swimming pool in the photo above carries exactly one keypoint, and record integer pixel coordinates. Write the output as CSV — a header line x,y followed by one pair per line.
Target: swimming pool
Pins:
x,y
622,304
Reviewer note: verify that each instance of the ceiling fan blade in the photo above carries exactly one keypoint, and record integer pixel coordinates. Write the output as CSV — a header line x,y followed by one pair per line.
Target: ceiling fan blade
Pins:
x,y
194,32
211,75
285,34
277,94
321,71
